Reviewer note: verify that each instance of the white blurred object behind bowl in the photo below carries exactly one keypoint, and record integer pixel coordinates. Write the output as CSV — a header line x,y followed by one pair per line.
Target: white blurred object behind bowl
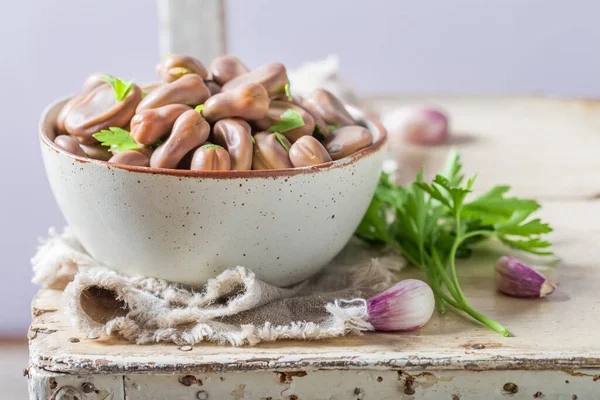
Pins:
x,y
323,74
188,226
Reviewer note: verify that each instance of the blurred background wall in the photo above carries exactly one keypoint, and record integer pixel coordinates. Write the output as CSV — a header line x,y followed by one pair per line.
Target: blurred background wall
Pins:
x,y
385,46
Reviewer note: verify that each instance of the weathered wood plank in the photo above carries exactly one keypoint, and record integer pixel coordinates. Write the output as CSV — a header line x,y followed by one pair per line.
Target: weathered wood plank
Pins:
x,y
44,385
544,147
192,27
559,332
379,385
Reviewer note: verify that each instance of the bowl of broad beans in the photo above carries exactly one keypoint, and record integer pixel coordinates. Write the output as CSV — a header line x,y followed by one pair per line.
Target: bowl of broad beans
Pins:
x,y
215,166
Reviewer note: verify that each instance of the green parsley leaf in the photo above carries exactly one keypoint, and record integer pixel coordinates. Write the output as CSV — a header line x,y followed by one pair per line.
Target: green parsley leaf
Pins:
x,y
199,108
117,139
373,227
333,127
253,140
287,92
290,119
453,168
533,245
533,227
144,94
281,139
493,207
120,87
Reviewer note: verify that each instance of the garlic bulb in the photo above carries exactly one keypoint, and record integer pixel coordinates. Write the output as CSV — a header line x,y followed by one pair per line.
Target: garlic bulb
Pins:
x,y
515,278
417,124
406,306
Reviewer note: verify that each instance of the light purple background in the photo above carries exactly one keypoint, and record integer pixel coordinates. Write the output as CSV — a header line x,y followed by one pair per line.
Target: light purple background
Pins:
x,y
463,46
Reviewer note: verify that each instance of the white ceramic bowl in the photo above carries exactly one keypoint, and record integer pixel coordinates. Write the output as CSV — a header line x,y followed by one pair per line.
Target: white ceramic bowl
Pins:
x,y
188,226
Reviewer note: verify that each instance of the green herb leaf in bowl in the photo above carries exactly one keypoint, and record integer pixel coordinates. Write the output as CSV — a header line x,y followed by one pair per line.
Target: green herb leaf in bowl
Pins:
x,y
116,139
120,87
290,119
280,138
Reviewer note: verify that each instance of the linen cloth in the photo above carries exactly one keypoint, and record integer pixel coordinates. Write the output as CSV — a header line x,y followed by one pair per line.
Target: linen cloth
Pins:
x,y
234,308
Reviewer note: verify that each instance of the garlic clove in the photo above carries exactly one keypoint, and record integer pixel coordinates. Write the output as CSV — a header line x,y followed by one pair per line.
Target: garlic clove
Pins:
x,y
406,306
417,124
515,278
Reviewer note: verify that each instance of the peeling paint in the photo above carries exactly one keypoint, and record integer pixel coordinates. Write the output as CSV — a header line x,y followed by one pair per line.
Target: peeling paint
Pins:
x,y
239,392
287,377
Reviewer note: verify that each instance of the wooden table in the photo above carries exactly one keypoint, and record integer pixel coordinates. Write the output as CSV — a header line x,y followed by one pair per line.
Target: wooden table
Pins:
x,y
546,148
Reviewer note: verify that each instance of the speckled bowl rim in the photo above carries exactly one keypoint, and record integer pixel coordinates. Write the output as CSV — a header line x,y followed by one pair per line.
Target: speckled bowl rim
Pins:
x,y
269,173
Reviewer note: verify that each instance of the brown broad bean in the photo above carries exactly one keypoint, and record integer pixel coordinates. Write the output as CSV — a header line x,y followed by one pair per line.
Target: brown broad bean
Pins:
x,y
147,151
70,145
225,68
330,108
213,87
347,140
274,115
248,101
99,110
152,86
189,131
97,152
93,81
308,151
176,65
211,157
321,129
189,90
269,153
130,157
150,125
235,135
273,77
64,111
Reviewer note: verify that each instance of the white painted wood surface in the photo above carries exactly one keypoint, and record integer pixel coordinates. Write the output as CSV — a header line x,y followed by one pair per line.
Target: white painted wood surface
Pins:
x,y
554,353
192,27
545,147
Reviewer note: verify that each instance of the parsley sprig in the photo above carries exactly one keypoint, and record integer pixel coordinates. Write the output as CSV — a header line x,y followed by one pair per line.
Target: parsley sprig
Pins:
x,y
116,139
290,119
432,224
120,87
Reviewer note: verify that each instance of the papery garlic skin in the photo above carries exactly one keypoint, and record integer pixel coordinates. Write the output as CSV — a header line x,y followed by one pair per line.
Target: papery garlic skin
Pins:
x,y
417,124
515,278
406,306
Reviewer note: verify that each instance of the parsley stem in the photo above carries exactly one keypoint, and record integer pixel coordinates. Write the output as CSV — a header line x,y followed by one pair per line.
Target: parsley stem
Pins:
x,y
486,321
432,274
440,268
450,301
462,300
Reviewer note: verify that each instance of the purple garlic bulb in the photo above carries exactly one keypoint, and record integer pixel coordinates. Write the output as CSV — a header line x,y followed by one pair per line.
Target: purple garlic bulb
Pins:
x,y
515,278
406,306
417,124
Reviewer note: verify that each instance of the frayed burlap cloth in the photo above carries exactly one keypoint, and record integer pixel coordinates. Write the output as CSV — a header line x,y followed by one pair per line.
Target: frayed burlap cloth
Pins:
x,y
234,308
